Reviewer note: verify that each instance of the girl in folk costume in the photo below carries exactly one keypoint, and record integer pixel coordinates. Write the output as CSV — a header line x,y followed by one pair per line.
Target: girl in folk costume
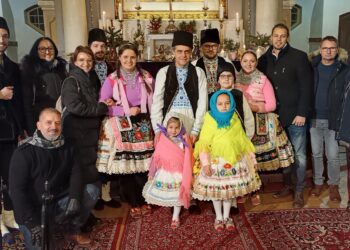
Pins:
x,y
273,149
126,137
170,175
225,159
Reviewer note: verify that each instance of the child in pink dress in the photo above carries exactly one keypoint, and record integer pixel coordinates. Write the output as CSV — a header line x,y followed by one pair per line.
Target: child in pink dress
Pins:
x,y
170,173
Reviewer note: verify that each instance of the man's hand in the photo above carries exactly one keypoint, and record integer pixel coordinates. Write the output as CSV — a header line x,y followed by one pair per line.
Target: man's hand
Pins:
x,y
299,121
36,236
193,138
135,111
6,93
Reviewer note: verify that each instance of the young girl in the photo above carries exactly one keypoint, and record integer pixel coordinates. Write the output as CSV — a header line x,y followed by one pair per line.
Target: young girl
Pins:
x,y
224,159
170,173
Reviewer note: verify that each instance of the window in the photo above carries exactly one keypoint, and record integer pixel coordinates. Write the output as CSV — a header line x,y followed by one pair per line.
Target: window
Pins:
x,y
296,16
34,18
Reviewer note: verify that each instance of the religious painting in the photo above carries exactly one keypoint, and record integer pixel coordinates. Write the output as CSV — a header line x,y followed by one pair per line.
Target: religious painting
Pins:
x,y
180,9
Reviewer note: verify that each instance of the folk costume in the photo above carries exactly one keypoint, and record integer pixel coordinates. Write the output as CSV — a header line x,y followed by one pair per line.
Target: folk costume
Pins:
x,y
273,149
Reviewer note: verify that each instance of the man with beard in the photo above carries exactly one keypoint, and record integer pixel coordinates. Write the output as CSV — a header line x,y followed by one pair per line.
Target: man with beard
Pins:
x,y
211,62
290,73
48,158
97,42
11,118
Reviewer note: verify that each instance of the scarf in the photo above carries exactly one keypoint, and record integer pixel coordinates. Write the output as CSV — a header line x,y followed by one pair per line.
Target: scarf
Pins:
x,y
119,94
101,70
211,68
180,161
222,118
247,79
38,140
178,137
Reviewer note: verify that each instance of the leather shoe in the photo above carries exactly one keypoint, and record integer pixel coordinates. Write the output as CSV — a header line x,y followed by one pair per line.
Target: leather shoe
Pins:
x,y
194,209
99,205
284,192
334,193
112,203
298,200
81,239
316,191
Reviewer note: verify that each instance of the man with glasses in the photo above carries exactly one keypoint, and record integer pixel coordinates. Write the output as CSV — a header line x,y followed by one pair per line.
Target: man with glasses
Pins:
x,y
211,62
329,87
11,120
290,73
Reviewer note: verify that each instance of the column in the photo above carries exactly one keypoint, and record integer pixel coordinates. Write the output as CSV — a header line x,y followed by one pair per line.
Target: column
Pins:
x,y
74,24
48,7
266,16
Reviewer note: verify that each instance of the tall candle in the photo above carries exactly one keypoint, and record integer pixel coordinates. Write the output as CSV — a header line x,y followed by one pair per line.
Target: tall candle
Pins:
x,y
221,12
100,24
137,3
237,20
120,11
205,3
104,19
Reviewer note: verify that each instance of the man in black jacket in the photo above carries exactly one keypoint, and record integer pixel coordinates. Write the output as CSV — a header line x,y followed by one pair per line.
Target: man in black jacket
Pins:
x,y
46,157
329,88
11,119
290,73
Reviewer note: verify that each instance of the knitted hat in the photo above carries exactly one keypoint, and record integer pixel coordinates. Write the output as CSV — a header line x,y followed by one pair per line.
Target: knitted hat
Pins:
x,y
97,35
3,24
183,38
226,67
210,36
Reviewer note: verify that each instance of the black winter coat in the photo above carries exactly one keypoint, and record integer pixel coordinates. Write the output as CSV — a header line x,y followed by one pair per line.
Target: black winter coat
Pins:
x,y
344,114
291,77
30,167
336,90
41,83
11,111
82,118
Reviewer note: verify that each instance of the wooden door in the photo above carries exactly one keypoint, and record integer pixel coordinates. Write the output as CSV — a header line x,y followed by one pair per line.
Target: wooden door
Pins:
x,y
344,32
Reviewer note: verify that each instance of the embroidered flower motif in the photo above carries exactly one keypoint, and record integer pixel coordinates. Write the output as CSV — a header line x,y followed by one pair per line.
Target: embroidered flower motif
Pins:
x,y
158,184
170,186
234,171
222,172
144,128
138,135
227,165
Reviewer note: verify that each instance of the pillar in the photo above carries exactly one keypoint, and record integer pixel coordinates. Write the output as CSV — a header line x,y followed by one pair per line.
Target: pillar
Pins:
x,y
266,16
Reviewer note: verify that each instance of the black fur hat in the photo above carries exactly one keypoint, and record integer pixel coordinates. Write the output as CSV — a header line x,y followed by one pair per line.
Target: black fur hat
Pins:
x,y
210,36
97,35
183,38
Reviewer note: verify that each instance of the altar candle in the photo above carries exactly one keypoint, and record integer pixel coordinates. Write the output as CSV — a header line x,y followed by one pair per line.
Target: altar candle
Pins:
x,y
120,11
205,3
148,53
137,3
237,21
221,12
104,19
100,24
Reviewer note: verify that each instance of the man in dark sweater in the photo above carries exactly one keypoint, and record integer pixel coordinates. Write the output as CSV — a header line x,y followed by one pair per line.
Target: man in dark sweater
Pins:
x,y
46,157
290,73
329,79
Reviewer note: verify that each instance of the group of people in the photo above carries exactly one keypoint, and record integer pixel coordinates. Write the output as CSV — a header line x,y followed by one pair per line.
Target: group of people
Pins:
x,y
199,131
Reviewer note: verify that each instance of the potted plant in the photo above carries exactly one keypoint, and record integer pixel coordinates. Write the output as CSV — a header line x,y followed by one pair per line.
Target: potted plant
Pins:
x,y
114,39
155,24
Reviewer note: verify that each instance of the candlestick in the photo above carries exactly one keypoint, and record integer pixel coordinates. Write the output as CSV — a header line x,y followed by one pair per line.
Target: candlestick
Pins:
x,y
138,3
205,4
120,11
121,27
138,8
221,30
237,20
205,9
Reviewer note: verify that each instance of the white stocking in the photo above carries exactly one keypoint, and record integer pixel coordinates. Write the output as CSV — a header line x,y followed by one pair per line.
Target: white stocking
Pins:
x,y
227,208
105,191
176,213
218,209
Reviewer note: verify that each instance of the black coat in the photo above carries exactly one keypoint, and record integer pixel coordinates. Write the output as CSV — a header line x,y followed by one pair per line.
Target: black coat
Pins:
x,y
336,90
30,167
82,118
291,78
11,111
41,83
344,114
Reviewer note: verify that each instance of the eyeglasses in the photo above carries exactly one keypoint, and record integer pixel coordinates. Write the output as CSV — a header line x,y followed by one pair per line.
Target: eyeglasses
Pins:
x,y
44,49
226,76
208,46
328,48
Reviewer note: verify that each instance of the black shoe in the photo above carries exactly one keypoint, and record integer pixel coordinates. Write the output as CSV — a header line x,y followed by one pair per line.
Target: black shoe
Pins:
x,y
194,209
234,210
112,203
90,223
99,205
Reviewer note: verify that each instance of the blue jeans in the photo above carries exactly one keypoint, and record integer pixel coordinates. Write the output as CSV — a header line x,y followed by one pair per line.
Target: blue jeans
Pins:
x,y
297,136
321,135
89,199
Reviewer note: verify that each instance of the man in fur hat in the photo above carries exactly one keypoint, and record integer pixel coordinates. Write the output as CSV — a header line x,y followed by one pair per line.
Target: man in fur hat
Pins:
x,y
11,120
211,62
98,44
181,88
329,87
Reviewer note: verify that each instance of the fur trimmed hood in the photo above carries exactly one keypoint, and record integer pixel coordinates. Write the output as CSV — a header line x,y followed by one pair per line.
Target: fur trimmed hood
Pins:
x,y
36,66
342,55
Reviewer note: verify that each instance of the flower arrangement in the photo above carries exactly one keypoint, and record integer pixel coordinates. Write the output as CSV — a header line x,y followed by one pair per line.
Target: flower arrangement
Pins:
x,y
114,39
155,24
259,40
189,27
230,45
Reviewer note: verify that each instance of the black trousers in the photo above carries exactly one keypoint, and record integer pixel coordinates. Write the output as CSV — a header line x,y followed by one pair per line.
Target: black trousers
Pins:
x,y
130,187
6,151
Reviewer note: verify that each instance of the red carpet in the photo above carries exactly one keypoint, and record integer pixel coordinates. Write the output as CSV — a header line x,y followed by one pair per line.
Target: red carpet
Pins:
x,y
287,229
104,237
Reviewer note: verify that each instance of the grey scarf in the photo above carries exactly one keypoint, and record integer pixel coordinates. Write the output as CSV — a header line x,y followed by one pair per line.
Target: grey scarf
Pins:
x,y
38,140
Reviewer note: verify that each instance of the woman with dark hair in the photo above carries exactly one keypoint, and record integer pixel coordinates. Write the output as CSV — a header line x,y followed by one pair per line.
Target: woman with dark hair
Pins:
x,y
126,137
43,72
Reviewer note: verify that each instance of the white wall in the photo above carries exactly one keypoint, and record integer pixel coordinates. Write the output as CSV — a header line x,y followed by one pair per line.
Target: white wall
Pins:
x,y
13,11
